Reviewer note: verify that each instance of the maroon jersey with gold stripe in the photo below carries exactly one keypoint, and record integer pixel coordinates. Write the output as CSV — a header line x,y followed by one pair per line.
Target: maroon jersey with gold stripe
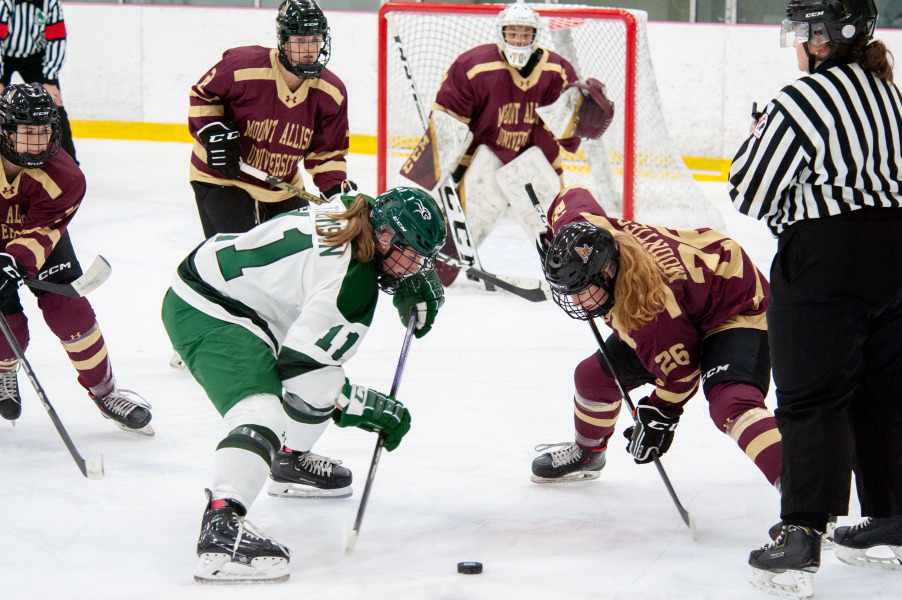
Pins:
x,y
37,206
482,90
278,127
715,286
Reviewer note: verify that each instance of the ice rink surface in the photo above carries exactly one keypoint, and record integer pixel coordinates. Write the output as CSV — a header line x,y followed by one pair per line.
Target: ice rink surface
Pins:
x,y
492,380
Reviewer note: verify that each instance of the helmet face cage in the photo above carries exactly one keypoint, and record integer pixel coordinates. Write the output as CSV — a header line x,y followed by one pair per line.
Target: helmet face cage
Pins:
x,y
820,21
580,256
518,14
29,125
303,18
413,221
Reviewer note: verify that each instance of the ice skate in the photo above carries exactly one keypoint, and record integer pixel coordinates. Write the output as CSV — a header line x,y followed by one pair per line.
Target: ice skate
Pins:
x,y
826,538
570,463
10,402
308,475
787,566
231,550
128,410
873,543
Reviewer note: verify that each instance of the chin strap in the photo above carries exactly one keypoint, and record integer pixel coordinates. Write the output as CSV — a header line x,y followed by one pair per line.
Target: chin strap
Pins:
x,y
813,59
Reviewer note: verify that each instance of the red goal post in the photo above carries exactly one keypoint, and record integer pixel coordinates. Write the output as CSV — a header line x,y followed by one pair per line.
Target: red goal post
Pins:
x,y
557,17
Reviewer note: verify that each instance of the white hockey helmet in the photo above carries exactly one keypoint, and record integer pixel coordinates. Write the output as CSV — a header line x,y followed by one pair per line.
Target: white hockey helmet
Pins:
x,y
518,13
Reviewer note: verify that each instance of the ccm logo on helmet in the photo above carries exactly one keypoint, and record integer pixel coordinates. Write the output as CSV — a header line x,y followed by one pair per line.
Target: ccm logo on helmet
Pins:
x,y
814,14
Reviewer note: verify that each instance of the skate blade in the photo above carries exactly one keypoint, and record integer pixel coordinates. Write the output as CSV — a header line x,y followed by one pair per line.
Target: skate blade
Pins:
x,y
279,489
802,585
146,431
871,558
218,569
568,478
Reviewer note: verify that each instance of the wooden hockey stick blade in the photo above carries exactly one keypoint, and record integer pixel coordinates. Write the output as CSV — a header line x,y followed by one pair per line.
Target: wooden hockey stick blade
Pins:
x,y
275,182
539,293
92,279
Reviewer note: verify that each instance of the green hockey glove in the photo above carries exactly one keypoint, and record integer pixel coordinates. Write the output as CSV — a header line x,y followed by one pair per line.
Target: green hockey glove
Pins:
x,y
372,411
425,292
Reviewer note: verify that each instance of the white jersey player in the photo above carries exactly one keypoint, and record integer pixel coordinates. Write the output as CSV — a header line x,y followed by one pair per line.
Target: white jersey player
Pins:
x,y
264,320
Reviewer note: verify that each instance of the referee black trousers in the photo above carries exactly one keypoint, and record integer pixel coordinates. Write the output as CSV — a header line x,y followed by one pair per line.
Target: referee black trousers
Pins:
x,y
835,333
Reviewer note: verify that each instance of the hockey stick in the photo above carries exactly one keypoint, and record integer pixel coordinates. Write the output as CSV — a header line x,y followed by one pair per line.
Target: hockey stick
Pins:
x,y
351,537
687,518
96,274
276,182
92,469
454,212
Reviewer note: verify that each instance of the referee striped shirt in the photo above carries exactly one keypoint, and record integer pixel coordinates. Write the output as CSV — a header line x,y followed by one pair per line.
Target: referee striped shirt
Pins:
x,y
830,143
29,27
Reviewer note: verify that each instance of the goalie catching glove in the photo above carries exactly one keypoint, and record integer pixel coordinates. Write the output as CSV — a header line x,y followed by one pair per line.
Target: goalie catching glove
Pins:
x,y
653,431
223,148
423,292
595,112
372,411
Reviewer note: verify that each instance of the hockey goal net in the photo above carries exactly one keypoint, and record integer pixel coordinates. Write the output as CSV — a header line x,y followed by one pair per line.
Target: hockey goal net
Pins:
x,y
633,169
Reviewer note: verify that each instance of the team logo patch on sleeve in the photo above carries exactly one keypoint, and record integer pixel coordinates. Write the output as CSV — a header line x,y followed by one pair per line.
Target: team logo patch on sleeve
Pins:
x,y
759,126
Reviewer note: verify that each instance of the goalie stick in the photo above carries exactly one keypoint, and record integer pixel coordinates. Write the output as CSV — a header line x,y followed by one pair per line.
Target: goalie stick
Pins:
x,y
351,537
454,212
92,469
534,293
90,280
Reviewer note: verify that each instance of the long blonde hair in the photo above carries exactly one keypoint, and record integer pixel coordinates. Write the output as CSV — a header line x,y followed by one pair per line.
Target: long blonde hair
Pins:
x,y
358,232
640,291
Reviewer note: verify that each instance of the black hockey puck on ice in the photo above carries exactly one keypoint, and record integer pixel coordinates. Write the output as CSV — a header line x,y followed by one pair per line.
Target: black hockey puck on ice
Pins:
x,y
469,568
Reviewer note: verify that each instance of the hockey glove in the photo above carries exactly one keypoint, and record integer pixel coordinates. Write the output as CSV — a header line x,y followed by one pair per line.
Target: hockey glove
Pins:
x,y
223,148
653,432
339,189
10,278
371,411
596,111
425,292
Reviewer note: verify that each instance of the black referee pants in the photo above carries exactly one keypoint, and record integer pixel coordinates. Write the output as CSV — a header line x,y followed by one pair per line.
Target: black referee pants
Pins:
x,y
835,332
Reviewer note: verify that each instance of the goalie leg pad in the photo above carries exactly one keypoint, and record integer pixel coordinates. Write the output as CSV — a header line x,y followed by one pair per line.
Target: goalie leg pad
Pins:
x,y
484,200
530,167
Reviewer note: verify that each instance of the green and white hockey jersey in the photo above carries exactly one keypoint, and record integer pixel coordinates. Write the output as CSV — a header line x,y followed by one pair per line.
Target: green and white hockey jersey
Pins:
x,y
311,303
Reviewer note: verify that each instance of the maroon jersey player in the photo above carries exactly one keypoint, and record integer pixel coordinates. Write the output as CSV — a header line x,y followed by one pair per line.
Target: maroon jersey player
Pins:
x,y
272,108
41,191
687,308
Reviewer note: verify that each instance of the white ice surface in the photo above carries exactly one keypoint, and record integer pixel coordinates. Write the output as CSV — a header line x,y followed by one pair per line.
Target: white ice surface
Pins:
x,y
493,379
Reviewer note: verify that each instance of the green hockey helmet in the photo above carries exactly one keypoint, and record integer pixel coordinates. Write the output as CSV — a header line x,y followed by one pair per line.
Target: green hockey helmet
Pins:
x,y
413,219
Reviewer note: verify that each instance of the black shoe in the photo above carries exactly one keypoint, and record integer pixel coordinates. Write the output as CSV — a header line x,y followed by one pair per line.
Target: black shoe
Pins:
x,y
10,402
129,411
308,475
232,550
852,543
571,463
826,537
796,552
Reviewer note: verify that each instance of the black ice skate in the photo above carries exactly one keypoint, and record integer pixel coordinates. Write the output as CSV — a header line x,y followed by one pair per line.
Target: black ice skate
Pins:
x,y
128,410
570,463
794,558
870,543
10,402
308,475
826,537
232,550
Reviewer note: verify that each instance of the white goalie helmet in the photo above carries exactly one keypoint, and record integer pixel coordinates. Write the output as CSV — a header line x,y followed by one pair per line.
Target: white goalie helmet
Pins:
x,y
518,13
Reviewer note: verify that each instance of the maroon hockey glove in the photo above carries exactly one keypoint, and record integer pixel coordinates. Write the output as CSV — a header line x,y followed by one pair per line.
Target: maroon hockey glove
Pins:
x,y
653,432
223,145
595,112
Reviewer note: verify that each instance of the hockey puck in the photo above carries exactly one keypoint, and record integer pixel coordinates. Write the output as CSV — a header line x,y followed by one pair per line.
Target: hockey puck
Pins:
x,y
469,568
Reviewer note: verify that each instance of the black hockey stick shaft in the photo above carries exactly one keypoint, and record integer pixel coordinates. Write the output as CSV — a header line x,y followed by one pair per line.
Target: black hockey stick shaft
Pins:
x,y
687,518
371,476
90,280
91,469
282,185
533,294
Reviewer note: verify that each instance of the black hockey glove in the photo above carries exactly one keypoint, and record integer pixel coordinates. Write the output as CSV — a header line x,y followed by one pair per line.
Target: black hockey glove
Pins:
x,y
10,278
339,189
223,148
653,431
